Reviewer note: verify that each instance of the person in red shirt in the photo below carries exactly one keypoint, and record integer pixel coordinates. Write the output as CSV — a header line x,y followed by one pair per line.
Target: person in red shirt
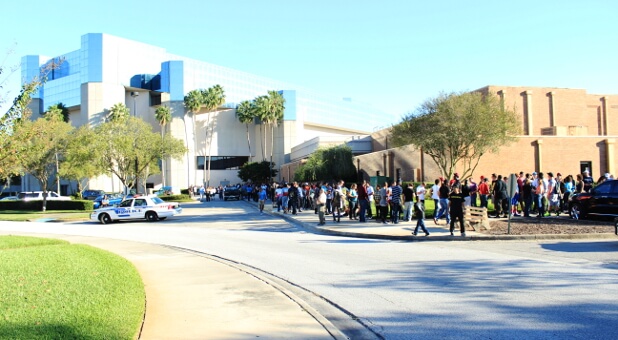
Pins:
x,y
484,191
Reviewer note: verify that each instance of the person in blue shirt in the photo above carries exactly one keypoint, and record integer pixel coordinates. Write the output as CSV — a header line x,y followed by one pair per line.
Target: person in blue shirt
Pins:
x,y
262,199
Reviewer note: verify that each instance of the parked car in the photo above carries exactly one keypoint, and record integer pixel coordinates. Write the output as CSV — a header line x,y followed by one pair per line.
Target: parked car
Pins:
x,y
151,208
231,193
92,194
38,195
112,200
602,200
9,198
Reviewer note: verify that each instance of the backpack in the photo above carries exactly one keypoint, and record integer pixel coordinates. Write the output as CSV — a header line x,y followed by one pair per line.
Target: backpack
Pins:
x,y
337,198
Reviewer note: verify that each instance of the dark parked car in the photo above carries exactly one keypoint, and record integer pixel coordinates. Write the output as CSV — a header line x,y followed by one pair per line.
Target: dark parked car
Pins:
x,y
602,200
231,193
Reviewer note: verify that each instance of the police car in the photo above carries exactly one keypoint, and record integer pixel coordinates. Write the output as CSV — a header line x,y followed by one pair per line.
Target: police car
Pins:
x,y
151,208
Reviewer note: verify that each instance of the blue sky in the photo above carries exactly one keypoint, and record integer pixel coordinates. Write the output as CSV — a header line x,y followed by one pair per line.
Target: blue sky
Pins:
x,y
390,54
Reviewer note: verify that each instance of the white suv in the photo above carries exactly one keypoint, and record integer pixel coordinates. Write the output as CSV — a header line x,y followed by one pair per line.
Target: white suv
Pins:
x,y
38,196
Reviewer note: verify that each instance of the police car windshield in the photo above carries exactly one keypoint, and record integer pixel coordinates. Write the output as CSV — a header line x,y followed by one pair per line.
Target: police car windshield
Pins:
x,y
157,200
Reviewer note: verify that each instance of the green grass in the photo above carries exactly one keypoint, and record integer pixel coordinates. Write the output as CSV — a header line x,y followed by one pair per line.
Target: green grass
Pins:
x,y
50,289
29,215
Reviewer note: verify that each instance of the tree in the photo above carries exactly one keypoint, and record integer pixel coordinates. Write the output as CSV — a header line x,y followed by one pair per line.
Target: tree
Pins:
x,y
457,129
332,163
245,111
261,112
213,98
163,115
81,160
276,107
59,109
193,102
17,113
256,172
269,109
43,140
118,112
123,143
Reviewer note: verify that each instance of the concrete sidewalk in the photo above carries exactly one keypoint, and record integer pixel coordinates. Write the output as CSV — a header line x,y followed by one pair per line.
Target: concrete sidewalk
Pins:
x,y
402,231
192,296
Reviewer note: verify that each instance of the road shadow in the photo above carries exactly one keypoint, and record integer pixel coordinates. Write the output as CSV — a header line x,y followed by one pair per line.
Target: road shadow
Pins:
x,y
582,247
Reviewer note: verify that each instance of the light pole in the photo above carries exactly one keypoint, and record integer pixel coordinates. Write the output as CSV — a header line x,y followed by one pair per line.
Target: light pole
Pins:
x,y
135,94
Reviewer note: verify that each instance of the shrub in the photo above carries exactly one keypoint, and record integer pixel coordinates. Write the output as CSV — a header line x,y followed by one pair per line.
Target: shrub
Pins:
x,y
51,205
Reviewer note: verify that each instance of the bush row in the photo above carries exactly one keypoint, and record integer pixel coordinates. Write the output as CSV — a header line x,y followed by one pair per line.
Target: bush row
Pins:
x,y
177,198
51,205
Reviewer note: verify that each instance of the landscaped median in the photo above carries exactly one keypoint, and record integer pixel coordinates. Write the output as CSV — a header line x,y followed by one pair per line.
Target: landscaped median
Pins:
x,y
50,289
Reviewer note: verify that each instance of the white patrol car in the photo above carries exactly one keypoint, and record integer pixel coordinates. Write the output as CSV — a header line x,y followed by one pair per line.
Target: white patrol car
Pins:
x,y
151,208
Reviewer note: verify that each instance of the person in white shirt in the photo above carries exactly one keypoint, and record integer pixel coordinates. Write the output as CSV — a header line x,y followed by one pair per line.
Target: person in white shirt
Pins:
x,y
420,193
435,196
370,193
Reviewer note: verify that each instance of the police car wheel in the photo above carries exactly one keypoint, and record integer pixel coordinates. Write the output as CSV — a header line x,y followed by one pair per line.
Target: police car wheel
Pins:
x,y
105,219
151,216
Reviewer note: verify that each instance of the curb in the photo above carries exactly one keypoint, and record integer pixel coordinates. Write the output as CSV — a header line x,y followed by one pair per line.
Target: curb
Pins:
x,y
325,231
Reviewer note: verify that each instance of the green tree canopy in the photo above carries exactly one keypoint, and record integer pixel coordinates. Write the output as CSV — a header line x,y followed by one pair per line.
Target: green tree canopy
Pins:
x,y
41,143
131,150
328,164
118,112
59,109
81,160
163,115
245,112
457,129
257,172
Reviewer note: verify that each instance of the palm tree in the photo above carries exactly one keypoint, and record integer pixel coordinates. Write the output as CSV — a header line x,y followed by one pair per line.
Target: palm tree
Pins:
x,y
118,112
163,115
59,109
276,107
213,98
261,112
245,111
194,100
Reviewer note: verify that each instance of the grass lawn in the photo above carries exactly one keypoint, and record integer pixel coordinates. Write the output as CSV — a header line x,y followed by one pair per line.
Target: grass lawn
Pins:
x,y
29,215
50,289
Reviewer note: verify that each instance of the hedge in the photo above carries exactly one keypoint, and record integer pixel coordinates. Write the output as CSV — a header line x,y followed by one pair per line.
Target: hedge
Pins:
x,y
172,198
51,205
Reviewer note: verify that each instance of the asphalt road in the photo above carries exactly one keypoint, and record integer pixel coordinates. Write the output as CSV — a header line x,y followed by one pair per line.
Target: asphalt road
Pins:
x,y
405,290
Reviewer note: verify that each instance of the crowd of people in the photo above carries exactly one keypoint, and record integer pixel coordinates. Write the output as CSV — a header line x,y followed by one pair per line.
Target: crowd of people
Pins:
x,y
539,193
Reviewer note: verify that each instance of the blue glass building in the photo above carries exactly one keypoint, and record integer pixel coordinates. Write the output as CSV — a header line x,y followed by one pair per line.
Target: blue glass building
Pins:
x,y
106,70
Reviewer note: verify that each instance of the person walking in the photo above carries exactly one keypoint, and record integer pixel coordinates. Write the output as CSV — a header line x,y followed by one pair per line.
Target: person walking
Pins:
x,y
262,199
320,202
456,206
419,210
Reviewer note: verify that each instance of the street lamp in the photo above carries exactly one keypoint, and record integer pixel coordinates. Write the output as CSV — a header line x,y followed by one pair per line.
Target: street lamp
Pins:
x,y
134,94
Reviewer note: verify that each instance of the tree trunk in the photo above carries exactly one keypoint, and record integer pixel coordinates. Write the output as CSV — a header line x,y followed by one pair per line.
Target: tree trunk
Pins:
x,y
248,142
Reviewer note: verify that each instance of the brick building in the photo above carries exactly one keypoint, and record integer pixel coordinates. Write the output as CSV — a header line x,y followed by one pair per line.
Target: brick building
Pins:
x,y
563,130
